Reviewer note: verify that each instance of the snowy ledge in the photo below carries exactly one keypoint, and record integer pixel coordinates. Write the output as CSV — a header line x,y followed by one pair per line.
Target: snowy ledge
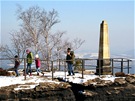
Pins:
x,y
35,80
91,87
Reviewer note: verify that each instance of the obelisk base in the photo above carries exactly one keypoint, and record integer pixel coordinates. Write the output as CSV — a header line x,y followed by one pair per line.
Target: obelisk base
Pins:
x,y
103,67
106,70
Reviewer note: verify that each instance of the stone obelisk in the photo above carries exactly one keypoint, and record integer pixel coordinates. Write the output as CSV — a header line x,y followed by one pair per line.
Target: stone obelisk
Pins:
x,y
103,63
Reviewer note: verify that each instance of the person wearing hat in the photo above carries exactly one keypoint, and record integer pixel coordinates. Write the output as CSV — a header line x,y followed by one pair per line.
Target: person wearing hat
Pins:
x,y
29,62
38,64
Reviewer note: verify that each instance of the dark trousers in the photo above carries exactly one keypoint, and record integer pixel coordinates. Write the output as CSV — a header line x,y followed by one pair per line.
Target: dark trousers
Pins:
x,y
28,69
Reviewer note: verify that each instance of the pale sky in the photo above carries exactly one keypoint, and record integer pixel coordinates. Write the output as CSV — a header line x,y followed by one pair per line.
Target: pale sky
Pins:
x,y
80,18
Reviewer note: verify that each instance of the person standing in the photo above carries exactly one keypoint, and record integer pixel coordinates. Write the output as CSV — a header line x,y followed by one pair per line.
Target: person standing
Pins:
x,y
69,60
38,65
29,62
72,61
17,63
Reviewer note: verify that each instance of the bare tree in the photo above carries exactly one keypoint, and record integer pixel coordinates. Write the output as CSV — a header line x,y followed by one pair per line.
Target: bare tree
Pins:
x,y
74,45
36,33
37,24
20,42
31,24
48,21
6,51
18,45
77,43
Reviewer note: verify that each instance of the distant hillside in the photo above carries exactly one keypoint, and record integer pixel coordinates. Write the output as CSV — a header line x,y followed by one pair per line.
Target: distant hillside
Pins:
x,y
87,54
127,54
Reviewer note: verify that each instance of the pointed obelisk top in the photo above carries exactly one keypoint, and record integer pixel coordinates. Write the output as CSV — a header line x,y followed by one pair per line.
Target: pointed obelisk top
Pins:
x,y
104,22
104,50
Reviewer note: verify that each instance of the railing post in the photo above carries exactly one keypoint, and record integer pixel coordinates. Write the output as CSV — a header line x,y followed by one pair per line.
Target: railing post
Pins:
x,y
99,66
65,68
59,64
128,65
52,69
82,68
122,65
112,67
24,68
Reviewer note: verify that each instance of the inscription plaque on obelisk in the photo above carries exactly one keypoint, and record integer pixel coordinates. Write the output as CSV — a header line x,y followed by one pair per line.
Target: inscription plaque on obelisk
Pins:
x,y
103,62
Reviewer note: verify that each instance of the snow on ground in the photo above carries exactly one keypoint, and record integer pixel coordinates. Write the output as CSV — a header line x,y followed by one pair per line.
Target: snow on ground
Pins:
x,y
35,80
77,78
11,80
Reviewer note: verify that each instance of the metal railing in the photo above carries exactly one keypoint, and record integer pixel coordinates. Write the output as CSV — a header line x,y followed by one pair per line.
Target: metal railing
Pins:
x,y
124,64
91,64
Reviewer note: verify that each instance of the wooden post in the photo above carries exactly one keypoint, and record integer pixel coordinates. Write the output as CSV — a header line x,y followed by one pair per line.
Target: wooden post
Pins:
x,y
65,68
52,69
100,66
59,64
24,68
82,68
112,67
122,65
128,65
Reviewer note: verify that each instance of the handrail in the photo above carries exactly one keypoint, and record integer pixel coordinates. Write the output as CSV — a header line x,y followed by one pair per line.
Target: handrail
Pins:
x,y
83,64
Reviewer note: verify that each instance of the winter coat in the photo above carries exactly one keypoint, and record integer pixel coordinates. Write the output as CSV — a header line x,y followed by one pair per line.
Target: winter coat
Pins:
x,y
70,58
37,62
29,57
17,63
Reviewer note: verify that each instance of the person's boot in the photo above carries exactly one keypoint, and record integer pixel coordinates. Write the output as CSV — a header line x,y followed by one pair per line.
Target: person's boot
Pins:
x,y
42,73
30,74
37,74
73,73
17,75
69,73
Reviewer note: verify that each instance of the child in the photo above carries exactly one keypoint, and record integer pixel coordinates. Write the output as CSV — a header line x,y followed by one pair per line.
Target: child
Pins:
x,y
17,63
38,64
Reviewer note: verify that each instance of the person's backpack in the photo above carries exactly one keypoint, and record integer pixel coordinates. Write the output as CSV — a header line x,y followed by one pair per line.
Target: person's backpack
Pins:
x,y
72,56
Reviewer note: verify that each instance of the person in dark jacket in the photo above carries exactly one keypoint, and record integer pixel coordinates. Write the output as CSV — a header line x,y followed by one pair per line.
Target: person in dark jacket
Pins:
x,y
69,60
16,66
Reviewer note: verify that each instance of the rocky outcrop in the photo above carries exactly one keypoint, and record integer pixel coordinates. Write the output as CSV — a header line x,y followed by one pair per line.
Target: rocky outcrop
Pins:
x,y
120,74
43,92
122,89
4,72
